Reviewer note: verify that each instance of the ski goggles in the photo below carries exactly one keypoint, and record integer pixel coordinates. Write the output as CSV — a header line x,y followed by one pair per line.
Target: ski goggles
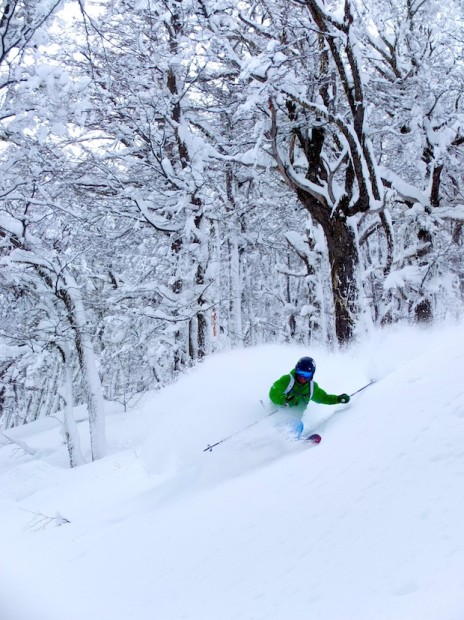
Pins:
x,y
306,374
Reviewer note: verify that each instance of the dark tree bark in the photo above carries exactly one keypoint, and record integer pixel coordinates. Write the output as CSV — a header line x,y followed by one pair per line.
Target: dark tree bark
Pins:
x,y
344,263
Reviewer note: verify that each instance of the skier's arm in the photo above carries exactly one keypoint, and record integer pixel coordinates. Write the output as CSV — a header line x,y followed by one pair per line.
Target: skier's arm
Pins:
x,y
320,396
277,393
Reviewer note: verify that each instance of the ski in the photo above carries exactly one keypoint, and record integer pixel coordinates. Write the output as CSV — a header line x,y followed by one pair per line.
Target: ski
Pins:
x,y
313,439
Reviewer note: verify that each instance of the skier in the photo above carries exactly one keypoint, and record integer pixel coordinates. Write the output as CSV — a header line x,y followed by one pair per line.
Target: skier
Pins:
x,y
297,388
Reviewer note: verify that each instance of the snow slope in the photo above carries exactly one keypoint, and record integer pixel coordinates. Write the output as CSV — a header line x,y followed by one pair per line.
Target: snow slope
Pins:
x,y
367,525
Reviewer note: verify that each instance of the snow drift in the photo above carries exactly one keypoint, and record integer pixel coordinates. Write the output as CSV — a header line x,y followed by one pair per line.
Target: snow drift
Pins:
x,y
369,524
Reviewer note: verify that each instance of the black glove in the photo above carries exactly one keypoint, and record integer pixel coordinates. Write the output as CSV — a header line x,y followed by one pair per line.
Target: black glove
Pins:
x,y
290,400
343,398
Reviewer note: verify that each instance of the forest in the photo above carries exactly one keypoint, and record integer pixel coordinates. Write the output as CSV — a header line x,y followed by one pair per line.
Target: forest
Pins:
x,y
182,177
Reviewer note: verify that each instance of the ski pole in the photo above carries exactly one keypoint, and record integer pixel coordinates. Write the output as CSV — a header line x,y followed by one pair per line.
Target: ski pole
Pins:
x,y
209,447
363,388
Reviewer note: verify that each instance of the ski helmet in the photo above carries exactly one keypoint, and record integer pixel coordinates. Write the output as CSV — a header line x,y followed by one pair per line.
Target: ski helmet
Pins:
x,y
305,367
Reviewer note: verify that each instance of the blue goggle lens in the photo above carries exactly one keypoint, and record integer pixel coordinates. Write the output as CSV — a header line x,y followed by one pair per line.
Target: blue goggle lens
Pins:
x,y
305,373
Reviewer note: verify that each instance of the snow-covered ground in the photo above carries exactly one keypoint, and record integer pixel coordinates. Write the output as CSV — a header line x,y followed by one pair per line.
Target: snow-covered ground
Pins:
x,y
369,525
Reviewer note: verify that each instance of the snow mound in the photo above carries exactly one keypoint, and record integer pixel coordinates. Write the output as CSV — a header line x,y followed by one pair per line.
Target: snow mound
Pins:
x,y
368,524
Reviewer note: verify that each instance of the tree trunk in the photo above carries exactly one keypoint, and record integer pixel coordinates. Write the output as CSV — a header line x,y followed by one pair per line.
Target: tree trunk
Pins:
x,y
95,403
85,353
235,292
71,433
344,264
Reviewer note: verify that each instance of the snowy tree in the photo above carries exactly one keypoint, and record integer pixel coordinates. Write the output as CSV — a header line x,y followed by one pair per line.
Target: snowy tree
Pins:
x,y
149,158
414,49
185,176
36,230
323,81
39,278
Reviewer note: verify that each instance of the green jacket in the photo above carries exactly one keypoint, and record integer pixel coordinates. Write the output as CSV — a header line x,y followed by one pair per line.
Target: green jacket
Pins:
x,y
299,394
